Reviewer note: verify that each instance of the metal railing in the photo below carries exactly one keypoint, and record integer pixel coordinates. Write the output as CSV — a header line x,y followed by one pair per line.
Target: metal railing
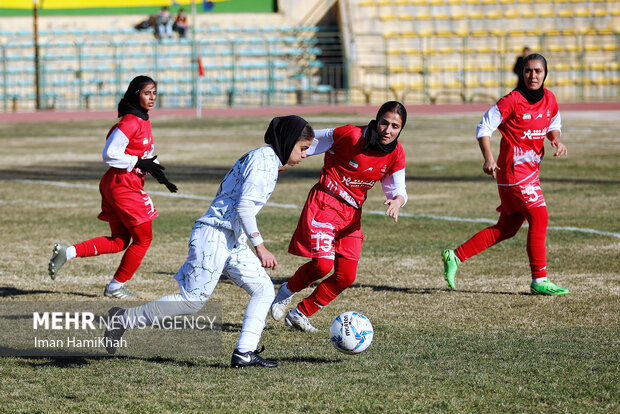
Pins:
x,y
238,69
304,66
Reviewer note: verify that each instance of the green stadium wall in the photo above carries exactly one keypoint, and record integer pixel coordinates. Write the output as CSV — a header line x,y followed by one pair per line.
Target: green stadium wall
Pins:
x,y
115,7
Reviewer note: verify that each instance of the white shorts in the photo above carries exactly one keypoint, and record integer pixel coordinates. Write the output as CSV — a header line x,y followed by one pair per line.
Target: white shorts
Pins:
x,y
213,251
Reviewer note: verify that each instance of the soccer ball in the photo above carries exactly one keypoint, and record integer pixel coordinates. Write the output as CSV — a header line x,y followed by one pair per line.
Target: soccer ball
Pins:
x,y
351,332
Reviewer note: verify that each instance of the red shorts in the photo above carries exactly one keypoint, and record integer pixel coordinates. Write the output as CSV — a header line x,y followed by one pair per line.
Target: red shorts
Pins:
x,y
123,198
327,226
521,197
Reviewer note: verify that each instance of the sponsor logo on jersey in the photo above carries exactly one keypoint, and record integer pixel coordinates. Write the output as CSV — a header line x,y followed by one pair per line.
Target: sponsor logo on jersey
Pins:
x,y
353,164
368,169
539,116
535,134
357,183
145,141
527,116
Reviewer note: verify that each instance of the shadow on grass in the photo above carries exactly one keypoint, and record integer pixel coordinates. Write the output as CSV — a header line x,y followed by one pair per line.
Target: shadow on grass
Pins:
x,y
229,327
76,362
6,291
49,358
414,291
310,360
175,172
73,362
427,291
68,362
213,173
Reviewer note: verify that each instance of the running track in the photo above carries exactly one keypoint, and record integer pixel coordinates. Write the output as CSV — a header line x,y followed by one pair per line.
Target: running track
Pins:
x,y
62,116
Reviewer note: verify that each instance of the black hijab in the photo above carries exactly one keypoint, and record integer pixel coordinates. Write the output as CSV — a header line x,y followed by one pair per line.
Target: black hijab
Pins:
x,y
283,133
532,96
130,103
372,133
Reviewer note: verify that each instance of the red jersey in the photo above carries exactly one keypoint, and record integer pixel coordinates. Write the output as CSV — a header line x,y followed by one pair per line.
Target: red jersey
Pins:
x,y
349,170
122,190
139,133
524,127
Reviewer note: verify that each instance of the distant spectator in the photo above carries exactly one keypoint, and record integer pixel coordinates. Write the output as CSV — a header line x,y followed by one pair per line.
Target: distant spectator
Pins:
x,y
518,67
150,22
180,23
164,23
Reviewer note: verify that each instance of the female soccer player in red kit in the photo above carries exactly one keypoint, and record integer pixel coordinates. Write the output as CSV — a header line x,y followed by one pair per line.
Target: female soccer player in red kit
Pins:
x,y
124,204
524,118
329,229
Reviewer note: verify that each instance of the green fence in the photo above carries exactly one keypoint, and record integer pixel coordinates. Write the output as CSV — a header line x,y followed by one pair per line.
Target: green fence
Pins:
x,y
83,70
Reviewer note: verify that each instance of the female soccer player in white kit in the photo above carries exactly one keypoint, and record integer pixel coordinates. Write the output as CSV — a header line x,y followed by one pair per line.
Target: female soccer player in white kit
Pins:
x,y
218,243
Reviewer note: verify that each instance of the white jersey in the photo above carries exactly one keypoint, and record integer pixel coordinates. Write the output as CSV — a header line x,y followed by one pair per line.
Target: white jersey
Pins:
x,y
252,178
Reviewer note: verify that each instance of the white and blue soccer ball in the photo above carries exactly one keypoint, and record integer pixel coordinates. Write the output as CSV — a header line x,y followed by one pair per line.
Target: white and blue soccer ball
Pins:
x,y
351,332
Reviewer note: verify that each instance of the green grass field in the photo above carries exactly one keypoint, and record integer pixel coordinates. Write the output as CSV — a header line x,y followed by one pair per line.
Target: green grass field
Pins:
x,y
489,346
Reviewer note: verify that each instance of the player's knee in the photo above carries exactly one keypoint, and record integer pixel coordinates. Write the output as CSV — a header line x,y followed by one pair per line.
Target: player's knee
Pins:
x,y
539,218
508,233
194,306
505,231
268,291
192,303
344,280
144,241
262,289
322,266
121,243
142,235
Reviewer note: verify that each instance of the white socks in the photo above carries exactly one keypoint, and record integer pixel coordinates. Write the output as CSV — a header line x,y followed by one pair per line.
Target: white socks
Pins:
x,y
540,280
70,253
114,285
285,290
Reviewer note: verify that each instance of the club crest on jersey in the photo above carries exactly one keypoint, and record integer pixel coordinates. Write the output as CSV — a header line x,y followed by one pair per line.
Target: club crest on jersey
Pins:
x,y
353,164
383,169
527,116
145,141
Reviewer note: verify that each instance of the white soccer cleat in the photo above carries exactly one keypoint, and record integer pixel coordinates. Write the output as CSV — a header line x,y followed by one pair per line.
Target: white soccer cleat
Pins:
x,y
281,302
59,258
298,320
120,293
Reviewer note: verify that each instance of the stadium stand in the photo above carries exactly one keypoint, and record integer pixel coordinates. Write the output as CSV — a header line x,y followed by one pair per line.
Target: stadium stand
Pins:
x,y
356,51
466,49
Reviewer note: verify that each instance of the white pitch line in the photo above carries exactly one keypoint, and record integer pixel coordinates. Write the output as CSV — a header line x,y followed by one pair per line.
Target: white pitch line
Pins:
x,y
293,206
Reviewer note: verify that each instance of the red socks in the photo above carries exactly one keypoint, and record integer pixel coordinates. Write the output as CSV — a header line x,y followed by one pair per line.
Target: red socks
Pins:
x,y
344,275
140,237
118,241
507,226
313,270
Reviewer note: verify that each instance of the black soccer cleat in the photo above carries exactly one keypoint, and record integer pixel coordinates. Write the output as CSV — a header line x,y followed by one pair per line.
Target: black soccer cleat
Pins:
x,y
114,330
250,359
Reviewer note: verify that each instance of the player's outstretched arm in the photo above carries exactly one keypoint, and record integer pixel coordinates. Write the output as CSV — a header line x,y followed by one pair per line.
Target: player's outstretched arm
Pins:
x,y
556,142
267,259
394,206
490,166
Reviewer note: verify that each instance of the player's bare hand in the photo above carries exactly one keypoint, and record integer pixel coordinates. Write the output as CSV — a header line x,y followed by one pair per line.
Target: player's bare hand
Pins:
x,y
560,148
394,206
490,167
267,259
